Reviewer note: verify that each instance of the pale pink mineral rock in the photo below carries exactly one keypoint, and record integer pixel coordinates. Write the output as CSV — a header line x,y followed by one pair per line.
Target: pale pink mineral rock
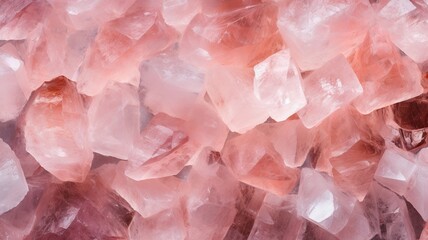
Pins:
x,y
114,120
316,31
277,83
121,45
55,128
13,76
242,37
13,186
327,89
321,202
386,76
254,161
179,13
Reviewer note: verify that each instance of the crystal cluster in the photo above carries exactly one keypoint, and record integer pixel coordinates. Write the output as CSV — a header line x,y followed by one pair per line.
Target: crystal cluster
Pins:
x,y
214,119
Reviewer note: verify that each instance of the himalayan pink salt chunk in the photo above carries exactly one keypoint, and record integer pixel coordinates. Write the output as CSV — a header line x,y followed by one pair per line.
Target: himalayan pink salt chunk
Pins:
x,y
13,186
389,213
386,76
55,127
248,206
213,7
277,219
54,49
353,171
396,8
317,31
81,211
162,150
291,140
242,37
254,161
277,83
231,92
358,226
114,120
416,193
166,225
171,85
211,195
121,45
410,34
322,203
12,75
24,22
85,14
147,197
395,170
10,8
179,13
328,89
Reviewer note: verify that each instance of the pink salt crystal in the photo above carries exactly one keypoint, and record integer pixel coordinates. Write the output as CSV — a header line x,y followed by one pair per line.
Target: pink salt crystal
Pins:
x,y
254,161
396,8
13,186
410,34
87,13
242,37
179,13
277,83
290,139
327,89
10,8
171,85
389,212
386,76
231,92
147,197
166,225
248,206
24,22
211,195
277,219
395,170
303,27
55,125
81,211
213,7
114,120
13,76
354,170
121,45
358,226
424,234
162,149
321,202
416,193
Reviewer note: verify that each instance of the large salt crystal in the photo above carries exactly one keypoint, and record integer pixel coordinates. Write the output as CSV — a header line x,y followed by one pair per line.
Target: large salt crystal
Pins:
x,y
354,170
321,202
166,225
210,198
386,76
179,13
254,160
409,33
277,83
328,88
10,8
277,219
121,45
81,211
242,37
55,128
114,120
170,84
395,170
13,186
13,76
316,31
231,92
162,149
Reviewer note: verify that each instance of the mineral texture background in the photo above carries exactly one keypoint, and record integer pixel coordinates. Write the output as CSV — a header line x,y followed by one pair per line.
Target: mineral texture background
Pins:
x,y
213,119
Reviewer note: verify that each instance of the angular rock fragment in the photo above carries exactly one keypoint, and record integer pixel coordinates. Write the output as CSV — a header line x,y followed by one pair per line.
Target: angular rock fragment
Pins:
x,y
327,89
13,186
55,127
254,161
114,120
